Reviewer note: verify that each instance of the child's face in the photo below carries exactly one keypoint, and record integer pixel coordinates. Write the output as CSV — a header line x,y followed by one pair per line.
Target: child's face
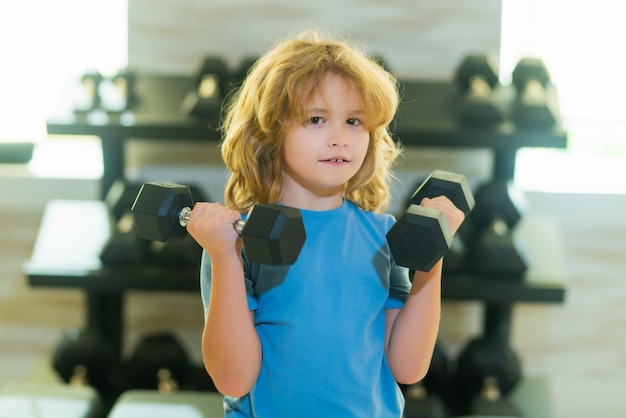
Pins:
x,y
323,151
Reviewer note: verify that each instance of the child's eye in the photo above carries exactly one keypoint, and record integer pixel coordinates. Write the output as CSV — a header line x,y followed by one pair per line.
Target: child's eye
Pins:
x,y
316,120
354,122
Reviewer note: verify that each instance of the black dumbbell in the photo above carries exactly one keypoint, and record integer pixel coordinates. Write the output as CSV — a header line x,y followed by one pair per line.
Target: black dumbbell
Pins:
x,y
122,245
421,236
535,103
490,402
245,65
159,361
211,84
122,94
487,371
496,250
456,256
120,197
272,234
420,404
90,91
83,357
478,104
179,252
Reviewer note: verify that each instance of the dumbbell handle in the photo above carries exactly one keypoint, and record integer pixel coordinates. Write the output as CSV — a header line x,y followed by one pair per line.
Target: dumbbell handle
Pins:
x,y
183,220
534,90
480,86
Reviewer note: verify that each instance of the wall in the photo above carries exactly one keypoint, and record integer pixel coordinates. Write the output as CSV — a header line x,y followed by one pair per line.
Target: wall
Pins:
x,y
421,39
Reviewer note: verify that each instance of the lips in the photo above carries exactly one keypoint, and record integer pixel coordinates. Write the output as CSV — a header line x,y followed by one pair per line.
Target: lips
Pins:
x,y
336,160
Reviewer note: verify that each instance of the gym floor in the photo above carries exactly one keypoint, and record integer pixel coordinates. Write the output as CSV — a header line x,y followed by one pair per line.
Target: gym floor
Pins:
x,y
578,346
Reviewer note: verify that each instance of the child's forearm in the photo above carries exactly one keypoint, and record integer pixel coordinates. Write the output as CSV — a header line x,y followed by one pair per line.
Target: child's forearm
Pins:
x,y
230,344
414,333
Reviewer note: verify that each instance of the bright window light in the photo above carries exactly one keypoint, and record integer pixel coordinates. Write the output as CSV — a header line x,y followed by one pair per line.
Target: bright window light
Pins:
x,y
581,44
46,43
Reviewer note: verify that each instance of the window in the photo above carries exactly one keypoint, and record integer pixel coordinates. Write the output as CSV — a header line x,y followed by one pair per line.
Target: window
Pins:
x,y
581,44
46,43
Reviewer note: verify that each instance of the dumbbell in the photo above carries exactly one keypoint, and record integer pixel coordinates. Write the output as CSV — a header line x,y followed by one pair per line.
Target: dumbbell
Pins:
x,y
535,103
178,252
478,79
83,357
211,84
122,246
456,256
160,362
272,234
245,65
487,371
120,197
90,91
421,236
420,404
119,94
496,250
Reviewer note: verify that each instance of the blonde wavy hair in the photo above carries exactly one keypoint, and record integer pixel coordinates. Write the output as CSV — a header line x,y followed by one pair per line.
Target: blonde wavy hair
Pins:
x,y
276,92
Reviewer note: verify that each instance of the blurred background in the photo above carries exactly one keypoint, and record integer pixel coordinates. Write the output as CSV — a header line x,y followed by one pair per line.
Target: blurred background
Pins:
x,y
577,344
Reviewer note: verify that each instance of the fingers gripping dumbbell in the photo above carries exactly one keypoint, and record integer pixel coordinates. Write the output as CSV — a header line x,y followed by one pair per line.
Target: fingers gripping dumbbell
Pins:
x,y
421,236
272,234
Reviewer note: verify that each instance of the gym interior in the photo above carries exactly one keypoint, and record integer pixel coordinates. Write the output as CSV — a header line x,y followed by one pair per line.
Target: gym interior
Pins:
x,y
95,322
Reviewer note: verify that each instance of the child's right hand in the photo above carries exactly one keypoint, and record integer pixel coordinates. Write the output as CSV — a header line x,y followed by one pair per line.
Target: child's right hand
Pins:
x,y
212,226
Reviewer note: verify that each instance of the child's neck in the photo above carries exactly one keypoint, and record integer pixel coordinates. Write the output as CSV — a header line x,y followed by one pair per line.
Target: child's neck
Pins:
x,y
313,202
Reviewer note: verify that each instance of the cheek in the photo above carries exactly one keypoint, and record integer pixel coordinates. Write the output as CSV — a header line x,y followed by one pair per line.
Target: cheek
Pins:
x,y
364,146
288,147
364,151
294,152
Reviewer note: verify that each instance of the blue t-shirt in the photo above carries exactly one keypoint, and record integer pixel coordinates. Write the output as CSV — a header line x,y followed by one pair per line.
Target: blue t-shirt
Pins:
x,y
321,321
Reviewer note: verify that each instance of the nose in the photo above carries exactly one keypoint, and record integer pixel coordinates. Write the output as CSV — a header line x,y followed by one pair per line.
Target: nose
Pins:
x,y
338,137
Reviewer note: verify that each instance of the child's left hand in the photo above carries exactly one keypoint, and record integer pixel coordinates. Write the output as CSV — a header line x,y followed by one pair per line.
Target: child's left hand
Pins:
x,y
454,215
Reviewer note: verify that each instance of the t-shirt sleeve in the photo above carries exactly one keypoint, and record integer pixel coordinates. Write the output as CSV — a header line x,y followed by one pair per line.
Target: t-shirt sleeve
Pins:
x,y
399,283
399,287
205,281
249,270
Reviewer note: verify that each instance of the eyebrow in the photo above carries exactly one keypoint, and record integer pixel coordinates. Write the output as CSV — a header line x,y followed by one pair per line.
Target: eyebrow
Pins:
x,y
317,110
357,112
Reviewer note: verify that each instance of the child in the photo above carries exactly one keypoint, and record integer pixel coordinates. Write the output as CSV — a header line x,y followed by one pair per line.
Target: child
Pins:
x,y
332,334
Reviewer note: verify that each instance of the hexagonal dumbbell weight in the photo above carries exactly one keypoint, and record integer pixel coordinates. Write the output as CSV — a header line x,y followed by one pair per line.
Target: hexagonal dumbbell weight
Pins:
x,y
421,236
272,234
85,357
480,103
212,83
536,103
487,371
497,250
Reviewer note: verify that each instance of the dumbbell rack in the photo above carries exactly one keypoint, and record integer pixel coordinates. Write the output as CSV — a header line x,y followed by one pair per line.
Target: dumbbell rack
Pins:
x,y
425,119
